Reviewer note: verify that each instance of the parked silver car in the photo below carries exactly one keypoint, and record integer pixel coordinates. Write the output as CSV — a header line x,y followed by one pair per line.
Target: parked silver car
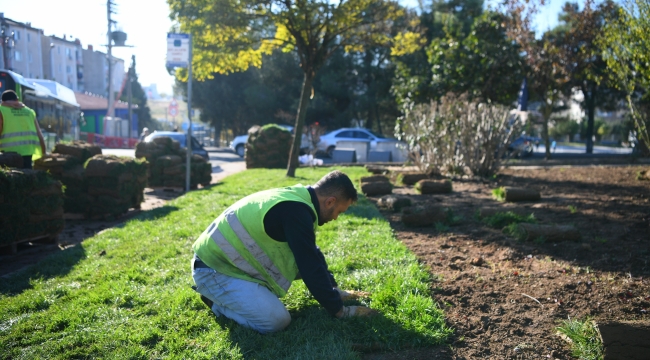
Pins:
x,y
328,141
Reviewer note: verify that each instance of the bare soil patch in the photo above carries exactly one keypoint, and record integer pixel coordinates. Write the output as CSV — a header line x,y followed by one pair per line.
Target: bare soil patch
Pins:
x,y
505,297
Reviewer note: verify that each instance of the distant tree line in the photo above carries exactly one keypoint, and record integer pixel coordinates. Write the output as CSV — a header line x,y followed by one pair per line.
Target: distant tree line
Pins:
x,y
452,46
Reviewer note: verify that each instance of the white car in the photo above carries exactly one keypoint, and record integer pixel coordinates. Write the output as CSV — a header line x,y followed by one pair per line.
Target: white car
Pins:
x,y
328,141
238,143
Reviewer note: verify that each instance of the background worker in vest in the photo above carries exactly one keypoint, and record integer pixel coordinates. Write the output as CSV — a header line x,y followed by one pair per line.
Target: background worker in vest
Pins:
x,y
19,130
248,257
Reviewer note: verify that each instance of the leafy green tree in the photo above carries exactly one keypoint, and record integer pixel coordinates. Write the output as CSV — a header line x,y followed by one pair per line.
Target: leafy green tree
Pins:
x,y
546,61
483,62
576,36
625,42
233,35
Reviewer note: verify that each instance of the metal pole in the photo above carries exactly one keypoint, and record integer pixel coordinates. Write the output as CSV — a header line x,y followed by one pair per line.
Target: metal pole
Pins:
x,y
129,93
189,116
109,55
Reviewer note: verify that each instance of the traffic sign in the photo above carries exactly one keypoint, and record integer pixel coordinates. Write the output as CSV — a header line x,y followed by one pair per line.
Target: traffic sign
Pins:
x,y
173,111
178,50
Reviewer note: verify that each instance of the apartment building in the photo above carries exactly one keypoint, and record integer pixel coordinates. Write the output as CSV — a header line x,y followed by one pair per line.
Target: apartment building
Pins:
x,y
96,72
62,61
20,48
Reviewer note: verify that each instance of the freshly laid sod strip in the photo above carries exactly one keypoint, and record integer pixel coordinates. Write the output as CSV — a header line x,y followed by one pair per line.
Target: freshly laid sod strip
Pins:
x,y
125,293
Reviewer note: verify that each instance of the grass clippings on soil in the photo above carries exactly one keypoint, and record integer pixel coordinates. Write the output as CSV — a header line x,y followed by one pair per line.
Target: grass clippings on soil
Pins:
x,y
126,292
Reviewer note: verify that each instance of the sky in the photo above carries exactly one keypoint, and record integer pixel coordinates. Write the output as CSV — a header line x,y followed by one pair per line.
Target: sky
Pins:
x,y
146,23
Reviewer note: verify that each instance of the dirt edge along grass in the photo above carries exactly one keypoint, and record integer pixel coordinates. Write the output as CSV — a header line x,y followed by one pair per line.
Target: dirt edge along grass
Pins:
x,y
126,292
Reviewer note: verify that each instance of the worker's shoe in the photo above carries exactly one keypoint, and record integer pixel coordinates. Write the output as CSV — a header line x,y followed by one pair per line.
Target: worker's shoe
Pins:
x,y
205,300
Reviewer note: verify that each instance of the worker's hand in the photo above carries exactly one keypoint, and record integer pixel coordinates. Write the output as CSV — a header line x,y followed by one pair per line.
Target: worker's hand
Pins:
x,y
352,294
350,311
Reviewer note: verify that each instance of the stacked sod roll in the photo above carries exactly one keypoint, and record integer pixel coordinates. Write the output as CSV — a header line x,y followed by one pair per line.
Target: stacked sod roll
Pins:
x,y
167,164
268,147
115,184
31,205
11,159
110,187
66,164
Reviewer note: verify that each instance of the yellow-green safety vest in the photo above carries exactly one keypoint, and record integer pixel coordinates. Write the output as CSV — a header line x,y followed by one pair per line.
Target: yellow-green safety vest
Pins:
x,y
237,245
19,132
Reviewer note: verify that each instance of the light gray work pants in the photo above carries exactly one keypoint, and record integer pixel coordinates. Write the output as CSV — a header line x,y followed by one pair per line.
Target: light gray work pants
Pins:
x,y
249,304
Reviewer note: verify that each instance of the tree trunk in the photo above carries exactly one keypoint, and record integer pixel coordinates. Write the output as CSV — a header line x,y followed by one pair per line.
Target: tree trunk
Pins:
x,y
546,114
305,93
591,108
217,132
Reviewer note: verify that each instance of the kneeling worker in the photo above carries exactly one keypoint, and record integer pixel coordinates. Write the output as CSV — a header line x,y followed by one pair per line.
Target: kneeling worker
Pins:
x,y
248,257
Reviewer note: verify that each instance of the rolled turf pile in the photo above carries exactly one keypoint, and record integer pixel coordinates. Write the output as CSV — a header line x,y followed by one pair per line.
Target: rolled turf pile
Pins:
x,y
268,147
167,164
66,164
11,159
115,184
511,194
31,205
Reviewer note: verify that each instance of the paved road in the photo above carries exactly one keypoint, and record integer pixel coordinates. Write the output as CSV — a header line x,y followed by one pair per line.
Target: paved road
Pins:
x,y
219,157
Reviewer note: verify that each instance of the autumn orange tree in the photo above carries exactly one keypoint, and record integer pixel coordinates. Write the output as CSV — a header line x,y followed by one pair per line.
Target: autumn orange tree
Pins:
x,y
232,35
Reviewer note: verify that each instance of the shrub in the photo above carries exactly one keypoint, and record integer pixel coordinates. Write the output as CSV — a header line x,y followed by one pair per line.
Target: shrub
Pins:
x,y
456,133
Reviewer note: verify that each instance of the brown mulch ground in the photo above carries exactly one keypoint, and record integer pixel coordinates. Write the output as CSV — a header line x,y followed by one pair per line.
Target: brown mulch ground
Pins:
x,y
481,275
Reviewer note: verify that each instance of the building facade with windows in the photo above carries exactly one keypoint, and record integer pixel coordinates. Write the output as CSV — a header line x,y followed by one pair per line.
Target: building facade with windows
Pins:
x,y
62,61
20,48
96,72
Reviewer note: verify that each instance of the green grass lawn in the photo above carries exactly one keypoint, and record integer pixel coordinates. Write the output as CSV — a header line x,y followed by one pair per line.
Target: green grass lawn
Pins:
x,y
125,293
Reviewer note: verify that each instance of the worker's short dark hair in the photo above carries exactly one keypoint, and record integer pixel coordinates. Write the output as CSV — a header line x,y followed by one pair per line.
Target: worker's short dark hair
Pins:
x,y
9,95
336,184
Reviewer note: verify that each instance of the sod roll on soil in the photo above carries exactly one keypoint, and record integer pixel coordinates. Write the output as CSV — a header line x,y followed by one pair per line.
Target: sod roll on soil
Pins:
x,y
167,164
511,194
393,203
31,205
433,186
547,233
374,178
376,188
423,215
411,178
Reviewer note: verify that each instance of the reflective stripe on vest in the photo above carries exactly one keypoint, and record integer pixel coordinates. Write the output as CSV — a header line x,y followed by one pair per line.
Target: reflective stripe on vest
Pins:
x,y
16,134
18,143
252,247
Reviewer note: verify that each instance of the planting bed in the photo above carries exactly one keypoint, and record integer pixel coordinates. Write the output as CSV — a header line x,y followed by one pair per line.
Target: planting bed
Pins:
x,y
505,297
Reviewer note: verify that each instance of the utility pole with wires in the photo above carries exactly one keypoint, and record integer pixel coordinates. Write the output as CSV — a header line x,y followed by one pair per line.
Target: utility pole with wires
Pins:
x,y
109,56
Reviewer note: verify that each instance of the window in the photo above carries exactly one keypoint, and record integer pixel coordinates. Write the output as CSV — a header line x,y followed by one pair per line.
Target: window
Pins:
x,y
29,38
18,56
361,135
17,35
29,56
68,69
68,53
344,134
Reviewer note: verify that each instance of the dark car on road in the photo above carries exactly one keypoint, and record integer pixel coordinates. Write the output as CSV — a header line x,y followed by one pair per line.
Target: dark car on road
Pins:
x,y
197,148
